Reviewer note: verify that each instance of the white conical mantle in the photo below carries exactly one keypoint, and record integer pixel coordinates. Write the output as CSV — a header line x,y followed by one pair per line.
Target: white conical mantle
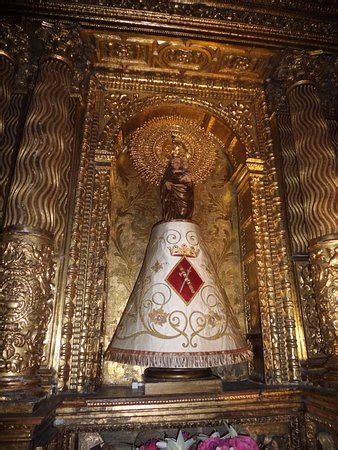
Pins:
x,y
178,315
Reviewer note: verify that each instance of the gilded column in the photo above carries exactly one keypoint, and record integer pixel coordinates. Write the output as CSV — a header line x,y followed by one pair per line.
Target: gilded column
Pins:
x,y
309,336
34,217
7,71
13,53
316,162
261,313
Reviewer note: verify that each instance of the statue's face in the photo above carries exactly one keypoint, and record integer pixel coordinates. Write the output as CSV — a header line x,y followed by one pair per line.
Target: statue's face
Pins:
x,y
176,163
185,163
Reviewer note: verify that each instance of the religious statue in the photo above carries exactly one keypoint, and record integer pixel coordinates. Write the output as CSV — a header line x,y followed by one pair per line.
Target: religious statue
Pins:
x,y
177,193
178,315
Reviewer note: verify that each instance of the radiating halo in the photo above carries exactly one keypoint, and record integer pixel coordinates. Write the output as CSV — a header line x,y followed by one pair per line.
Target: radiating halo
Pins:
x,y
152,146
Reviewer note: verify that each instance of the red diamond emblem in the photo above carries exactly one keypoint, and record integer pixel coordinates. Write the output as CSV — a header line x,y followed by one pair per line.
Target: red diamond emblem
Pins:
x,y
185,280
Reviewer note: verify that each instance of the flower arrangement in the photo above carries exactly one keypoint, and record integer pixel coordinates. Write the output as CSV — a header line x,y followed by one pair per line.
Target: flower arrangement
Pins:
x,y
230,441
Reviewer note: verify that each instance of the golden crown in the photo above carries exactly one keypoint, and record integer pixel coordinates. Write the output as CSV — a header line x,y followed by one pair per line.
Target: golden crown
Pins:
x,y
183,250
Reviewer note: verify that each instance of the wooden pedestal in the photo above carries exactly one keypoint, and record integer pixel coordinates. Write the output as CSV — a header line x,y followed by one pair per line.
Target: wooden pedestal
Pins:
x,y
211,385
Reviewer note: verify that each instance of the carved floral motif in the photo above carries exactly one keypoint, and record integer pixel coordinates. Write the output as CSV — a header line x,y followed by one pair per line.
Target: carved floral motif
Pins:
x,y
299,65
314,339
26,296
324,265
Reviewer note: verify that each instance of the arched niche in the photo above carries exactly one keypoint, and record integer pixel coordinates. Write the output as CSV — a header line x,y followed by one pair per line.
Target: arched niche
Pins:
x,y
269,302
136,208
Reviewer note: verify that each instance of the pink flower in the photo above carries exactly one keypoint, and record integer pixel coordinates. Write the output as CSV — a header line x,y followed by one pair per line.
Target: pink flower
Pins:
x,y
213,443
242,443
150,445
186,435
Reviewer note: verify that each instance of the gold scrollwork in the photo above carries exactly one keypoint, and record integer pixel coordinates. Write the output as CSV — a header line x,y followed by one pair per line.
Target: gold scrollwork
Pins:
x,y
324,263
26,298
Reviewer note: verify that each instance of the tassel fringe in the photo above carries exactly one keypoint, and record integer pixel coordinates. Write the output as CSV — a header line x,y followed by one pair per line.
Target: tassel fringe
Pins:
x,y
178,360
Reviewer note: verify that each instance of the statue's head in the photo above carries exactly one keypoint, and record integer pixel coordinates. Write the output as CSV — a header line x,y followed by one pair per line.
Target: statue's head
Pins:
x,y
176,162
185,162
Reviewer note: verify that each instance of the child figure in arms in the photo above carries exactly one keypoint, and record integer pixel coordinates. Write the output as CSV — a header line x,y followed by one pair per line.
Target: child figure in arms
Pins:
x,y
177,193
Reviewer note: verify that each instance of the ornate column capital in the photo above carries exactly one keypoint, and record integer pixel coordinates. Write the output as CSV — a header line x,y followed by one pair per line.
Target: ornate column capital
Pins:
x,y
64,41
276,97
300,66
15,46
13,58
14,42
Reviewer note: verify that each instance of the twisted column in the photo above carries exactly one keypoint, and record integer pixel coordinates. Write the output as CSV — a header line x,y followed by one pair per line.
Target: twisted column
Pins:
x,y
13,52
316,161
34,221
7,71
309,336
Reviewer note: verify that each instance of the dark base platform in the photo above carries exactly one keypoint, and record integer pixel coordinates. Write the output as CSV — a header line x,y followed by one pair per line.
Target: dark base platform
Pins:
x,y
164,373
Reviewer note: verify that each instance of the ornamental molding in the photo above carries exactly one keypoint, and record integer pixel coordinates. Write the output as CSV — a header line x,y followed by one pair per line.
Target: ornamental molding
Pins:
x,y
308,23
181,56
26,293
297,66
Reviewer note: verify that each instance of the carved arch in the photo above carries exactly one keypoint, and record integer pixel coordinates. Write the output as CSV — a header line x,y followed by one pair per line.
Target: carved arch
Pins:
x,y
235,115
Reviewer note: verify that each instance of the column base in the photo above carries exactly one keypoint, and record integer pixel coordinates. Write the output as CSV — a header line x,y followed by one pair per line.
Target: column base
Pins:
x,y
331,376
313,370
20,389
27,269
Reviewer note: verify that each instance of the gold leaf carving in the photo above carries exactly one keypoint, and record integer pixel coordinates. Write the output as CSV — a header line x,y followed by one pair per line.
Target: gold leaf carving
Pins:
x,y
316,160
324,265
26,296
7,142
36,198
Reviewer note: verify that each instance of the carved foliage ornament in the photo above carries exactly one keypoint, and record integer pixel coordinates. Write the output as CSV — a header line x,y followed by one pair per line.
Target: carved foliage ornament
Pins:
x,y
64,40
299,65
152,146
324,265
14,41
313,335
172,55
25,302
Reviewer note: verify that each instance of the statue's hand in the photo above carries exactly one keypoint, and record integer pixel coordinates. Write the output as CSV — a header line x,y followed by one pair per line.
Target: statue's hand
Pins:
x,y
168,185
186,179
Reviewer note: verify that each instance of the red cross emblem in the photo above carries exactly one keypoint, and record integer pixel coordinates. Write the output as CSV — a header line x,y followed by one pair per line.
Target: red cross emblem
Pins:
x,y
185,280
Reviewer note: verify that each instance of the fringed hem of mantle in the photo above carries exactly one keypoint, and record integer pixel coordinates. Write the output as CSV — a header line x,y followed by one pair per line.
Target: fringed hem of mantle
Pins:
x,y
178,360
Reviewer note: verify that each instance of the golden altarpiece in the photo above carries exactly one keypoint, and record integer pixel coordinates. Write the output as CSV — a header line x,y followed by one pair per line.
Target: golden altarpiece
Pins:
x,y
79,80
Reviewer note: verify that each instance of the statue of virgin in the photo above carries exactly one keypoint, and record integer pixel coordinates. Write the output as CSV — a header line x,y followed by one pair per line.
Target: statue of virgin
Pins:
x,y
178,315
177,191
